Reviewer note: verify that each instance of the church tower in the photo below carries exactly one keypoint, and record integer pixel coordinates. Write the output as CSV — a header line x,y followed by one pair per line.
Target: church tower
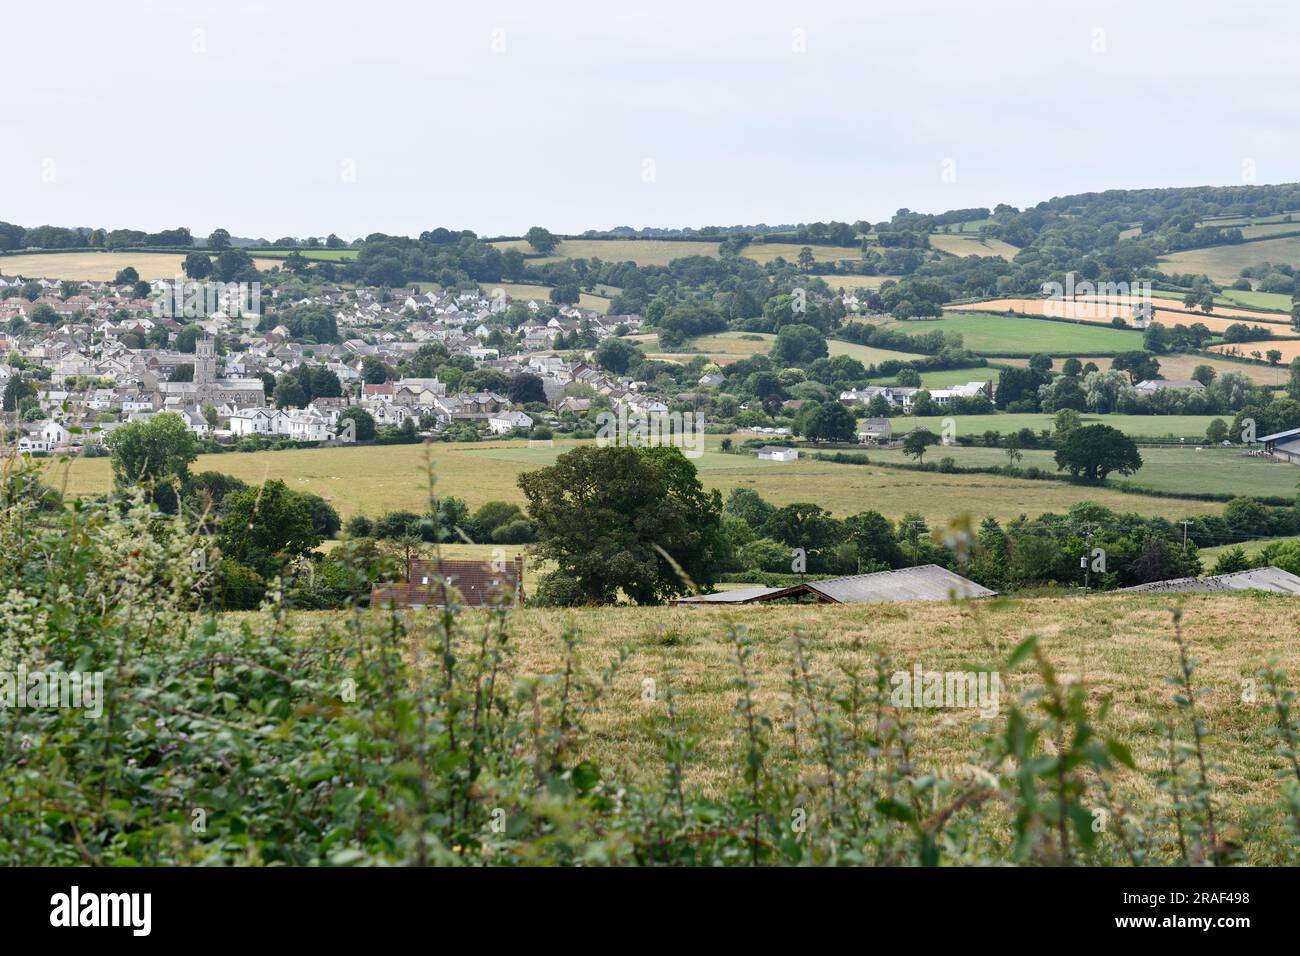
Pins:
x,y
205,367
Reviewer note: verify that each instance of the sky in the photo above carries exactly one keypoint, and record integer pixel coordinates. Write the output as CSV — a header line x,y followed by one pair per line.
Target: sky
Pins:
x,y
358,116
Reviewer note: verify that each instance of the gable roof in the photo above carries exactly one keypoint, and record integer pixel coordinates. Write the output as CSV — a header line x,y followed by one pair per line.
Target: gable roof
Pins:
x,y
927,582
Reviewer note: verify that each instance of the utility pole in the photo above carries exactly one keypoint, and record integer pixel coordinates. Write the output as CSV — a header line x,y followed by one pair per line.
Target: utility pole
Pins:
x,y
1086,561
1185,523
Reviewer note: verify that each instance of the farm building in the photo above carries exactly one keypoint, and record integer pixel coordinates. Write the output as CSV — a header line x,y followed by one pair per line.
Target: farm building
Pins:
x,y
475,583
1152,385
1270,579
777,453
875,430
929,582
1284,446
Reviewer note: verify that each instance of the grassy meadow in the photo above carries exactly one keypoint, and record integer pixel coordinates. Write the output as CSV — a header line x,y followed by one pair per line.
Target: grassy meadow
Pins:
x,y
1176,471
1223,264
990,333
1122,646
972,245
371,480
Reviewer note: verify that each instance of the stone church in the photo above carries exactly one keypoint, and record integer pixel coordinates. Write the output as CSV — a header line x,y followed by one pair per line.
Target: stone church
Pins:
x,y
207,389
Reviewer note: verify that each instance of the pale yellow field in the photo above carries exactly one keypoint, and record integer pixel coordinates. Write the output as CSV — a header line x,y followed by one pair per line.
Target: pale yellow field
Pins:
x,y
967,245
765,252
542,293
95,266
1181,366
1289,349
1223,264
848,282
644,252
1100,313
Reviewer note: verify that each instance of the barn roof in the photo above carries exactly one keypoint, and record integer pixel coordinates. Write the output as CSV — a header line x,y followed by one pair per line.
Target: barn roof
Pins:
x,y
1270,579
929,582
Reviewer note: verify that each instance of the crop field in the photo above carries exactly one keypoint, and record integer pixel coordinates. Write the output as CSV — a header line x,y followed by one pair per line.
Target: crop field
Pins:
x,y
1181,366
853,282
644,252
1122,645
1257,300
371,480
1191,427
1223,264
542,293
1212,470
725,347
1290,349
765,252
324,255
1167,312
997,334
98,266
972,245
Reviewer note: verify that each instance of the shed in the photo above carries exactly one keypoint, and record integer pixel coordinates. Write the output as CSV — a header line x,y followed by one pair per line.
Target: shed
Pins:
x,y
777,453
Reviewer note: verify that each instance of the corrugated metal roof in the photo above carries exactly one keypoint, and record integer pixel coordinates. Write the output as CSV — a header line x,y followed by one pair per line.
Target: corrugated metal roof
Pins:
x,y
1270,579
929,582
736,596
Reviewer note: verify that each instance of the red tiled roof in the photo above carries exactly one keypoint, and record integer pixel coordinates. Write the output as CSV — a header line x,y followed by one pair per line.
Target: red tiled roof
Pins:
x,y
474,583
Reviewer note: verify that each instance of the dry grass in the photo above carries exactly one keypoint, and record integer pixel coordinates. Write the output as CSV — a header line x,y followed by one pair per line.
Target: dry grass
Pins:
x,y
96,266
542,293
968,245
1121,645
1289,349
1223,264
644,252
765,252
1102,313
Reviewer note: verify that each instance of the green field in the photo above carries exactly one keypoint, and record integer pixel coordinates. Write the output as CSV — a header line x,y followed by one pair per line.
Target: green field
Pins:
x,y
1257,300
725,347
972,245
1002,334
325,255
1223,264
947,377
1225,471
1191,427
371,480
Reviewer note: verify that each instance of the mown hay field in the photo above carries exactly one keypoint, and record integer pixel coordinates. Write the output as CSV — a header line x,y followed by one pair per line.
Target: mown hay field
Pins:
x,y
1166,312
99,266
542,293
1223,264
644,252
1121,646
1181,366
1290,349
972,245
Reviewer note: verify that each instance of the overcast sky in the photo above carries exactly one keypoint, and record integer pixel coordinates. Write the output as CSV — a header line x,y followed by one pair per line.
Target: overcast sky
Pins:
x,y
359,116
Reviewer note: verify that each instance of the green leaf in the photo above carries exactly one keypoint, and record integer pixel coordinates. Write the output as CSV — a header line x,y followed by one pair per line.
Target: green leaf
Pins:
x,y
1121,752
1024,650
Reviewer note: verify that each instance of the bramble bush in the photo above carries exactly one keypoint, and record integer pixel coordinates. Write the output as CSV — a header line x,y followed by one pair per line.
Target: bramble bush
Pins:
x,y
400,738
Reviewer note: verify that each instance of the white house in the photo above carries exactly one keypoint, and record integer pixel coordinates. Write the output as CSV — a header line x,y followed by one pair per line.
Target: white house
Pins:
x,y
503,423
55,435
777,453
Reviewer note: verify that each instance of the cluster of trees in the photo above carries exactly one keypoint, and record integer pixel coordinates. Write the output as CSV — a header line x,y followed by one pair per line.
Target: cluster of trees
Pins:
x,y
259,532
